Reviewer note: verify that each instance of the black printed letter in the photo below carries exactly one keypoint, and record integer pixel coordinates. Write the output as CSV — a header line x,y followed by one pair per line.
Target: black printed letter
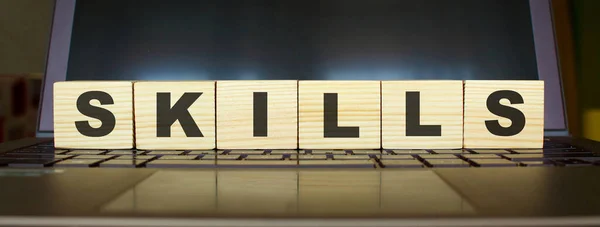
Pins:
x,y
260,114
413,118
166,116
331,129
515,115
106,118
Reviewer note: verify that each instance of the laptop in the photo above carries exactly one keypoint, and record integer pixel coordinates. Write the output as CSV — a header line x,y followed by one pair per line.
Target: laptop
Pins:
x,y
302,40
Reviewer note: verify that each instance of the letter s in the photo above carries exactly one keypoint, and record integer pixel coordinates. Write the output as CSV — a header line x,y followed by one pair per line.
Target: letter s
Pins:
x,y
516,116
106,117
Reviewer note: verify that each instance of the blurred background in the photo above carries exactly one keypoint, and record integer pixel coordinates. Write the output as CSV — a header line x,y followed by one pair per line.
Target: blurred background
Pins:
x,y
25,29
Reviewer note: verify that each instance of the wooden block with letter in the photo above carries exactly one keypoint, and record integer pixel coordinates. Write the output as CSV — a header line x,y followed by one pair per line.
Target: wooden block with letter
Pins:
x,y
261,114
93,114
504,114
422,114
339,114
175,115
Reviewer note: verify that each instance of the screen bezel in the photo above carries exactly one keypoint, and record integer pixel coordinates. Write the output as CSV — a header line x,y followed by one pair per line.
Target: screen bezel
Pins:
x,y
544,41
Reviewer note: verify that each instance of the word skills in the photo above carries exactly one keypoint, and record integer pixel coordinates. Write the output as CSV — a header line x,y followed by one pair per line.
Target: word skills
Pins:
x,y
291,114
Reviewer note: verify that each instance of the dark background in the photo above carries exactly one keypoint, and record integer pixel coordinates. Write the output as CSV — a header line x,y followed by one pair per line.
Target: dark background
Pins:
x,y
25,31
307,40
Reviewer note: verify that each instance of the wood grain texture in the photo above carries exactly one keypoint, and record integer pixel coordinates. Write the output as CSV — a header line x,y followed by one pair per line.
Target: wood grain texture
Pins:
x,y
202,111
66,134
358,106
235,129
441,103
476,113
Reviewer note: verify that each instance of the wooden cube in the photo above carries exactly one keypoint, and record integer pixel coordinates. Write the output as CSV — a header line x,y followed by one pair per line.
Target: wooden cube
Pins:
x,y
422,114
490,104
261,114
93,114
339,114
175,115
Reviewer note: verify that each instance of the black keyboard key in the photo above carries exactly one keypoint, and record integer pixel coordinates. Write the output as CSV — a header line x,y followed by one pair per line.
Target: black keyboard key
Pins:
x,y
47,144
568,155
538,163
325,152
264,157
351,157
29,156
122,163
540,157
181,164
31,151
551,144
405,152
494,163
86,152
207,157
491,151
402,163
62,156
124,152
366,152
447,163
454,151
201,152
396,157
590,158
481,156
336,163
257,164
528,151
78,163
161,152
438,156
135,157
552,151
227,157
60,151
178,157
311,157
222,152
304,152
572,162
31,163
283,152
246,152
91,156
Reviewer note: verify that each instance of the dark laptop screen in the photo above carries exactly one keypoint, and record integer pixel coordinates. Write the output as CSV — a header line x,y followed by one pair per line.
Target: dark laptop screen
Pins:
x,y
307,40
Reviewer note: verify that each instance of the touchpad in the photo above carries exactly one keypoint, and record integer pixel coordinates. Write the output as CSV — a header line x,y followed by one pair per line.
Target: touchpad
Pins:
x,y
289,193
528,191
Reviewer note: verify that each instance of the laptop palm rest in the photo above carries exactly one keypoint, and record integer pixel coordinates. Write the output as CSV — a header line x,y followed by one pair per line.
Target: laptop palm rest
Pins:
x,y
290,193
528,192
61,192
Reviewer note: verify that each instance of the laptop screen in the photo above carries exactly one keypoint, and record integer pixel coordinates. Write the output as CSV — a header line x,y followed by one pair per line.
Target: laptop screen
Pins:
x,y
305,40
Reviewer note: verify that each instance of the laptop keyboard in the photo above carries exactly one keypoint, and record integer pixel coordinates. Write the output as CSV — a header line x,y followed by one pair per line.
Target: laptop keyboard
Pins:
x,y
553,154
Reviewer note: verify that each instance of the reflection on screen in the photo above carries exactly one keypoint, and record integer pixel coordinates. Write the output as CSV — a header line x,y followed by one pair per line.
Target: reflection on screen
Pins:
x,y
306,40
